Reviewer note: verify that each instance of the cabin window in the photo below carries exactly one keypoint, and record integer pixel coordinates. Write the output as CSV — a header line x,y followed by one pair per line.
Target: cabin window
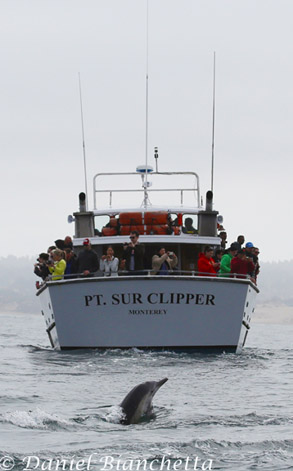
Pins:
x,y
100,223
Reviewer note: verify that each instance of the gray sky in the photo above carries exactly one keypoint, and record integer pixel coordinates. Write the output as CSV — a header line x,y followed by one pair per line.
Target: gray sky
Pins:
x,y
45,44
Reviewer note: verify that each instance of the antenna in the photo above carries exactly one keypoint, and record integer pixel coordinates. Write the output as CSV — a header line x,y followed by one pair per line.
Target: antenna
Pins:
x,y
146,106
83,143
213,126
156,155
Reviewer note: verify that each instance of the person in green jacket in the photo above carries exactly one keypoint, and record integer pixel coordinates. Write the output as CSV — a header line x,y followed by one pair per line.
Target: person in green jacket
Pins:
x,y
59,266
225,267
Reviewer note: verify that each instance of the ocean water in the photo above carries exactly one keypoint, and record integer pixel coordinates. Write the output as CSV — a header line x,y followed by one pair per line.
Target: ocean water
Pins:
x,y
58,410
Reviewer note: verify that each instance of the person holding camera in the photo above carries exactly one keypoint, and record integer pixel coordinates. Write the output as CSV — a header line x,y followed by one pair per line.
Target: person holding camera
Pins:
x,y
206,264
41,268
57,268
109,264
242,265
164,262
133,254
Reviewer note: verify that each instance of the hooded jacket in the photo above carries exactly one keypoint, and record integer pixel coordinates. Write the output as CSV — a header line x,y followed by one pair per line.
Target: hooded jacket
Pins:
x,y
225,267
205,265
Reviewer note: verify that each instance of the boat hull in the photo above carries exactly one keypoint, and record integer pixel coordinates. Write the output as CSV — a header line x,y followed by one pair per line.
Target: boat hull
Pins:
x,y
149,312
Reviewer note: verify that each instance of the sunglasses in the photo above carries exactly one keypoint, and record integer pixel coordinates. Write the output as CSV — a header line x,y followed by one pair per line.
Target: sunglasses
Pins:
x,y
132,237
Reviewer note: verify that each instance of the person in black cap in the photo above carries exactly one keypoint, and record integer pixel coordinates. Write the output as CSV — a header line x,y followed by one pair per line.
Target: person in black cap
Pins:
x,y
63,244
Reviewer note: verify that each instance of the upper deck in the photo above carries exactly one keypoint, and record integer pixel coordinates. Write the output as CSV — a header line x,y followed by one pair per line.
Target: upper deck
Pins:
x,y
161,206
165,208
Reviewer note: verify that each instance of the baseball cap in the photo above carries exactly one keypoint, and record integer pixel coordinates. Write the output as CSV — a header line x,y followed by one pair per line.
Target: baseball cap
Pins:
x,y
249,245
86,242
234,246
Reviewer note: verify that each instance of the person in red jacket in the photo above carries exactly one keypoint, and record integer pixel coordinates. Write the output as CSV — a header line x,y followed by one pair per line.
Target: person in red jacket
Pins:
x,y
206,264
242,265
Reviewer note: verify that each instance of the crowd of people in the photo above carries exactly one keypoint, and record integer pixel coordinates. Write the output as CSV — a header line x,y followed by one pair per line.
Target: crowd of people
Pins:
x,y
239,260
60,261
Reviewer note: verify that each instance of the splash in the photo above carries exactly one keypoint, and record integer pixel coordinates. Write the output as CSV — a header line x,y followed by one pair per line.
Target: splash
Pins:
x,y
36,419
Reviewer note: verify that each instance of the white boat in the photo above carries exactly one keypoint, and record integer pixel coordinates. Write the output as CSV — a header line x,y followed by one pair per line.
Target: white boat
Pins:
x,y
184,310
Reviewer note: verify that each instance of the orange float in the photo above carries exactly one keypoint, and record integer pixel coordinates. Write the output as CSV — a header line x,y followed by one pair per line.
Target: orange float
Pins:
x,y
125,230
109,231
156,218
113,222
158,229
129,219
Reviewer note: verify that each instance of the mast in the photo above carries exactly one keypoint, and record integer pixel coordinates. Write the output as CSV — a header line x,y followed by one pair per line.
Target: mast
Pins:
x,y
83,144
213,125
145,184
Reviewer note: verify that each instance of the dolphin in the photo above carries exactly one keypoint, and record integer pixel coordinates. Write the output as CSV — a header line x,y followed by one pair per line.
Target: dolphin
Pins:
x,y
138,401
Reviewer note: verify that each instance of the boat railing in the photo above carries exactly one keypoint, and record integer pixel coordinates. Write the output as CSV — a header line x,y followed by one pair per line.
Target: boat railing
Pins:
x,y
181,191
150,272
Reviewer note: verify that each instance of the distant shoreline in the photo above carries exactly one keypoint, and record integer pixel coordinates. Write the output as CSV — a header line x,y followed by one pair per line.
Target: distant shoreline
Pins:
x,y
273,314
